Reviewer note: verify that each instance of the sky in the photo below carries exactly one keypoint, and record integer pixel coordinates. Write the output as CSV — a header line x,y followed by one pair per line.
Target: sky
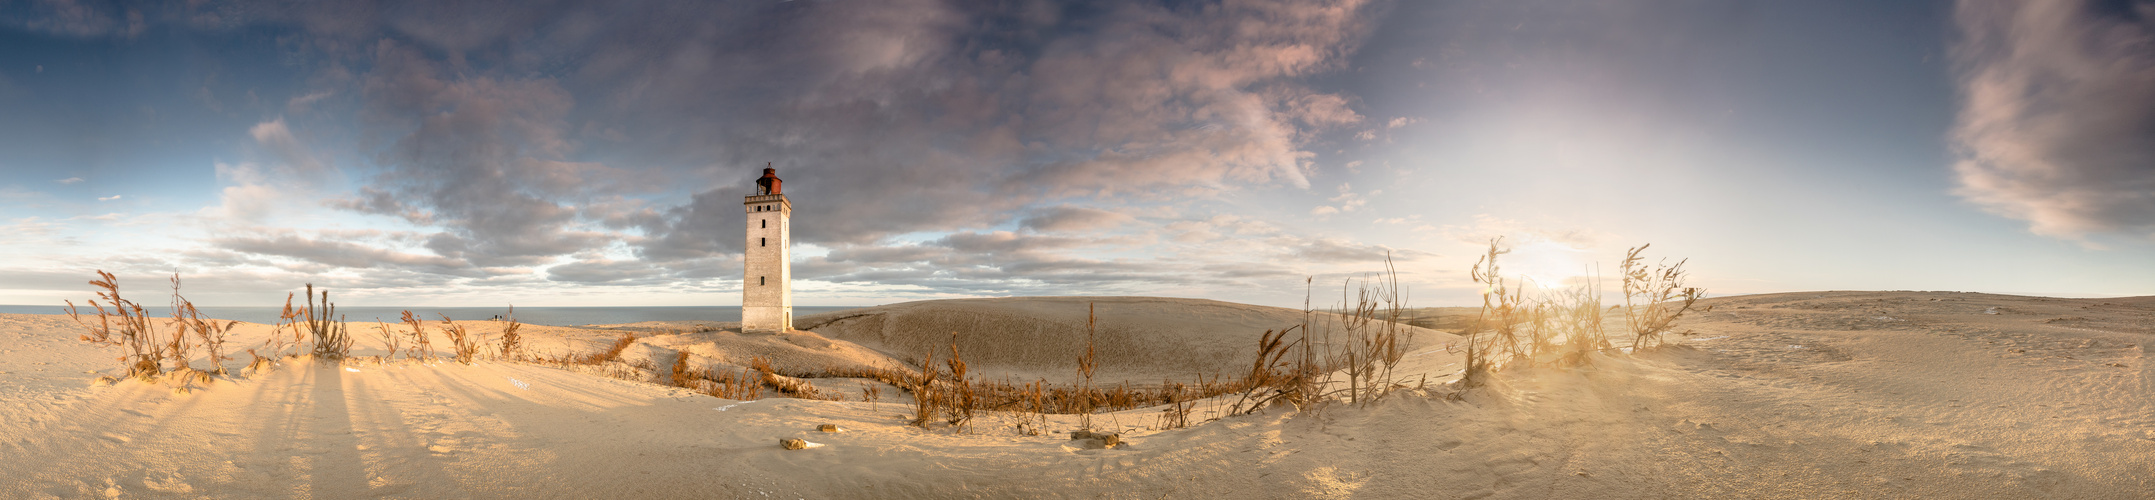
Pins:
x,y
544,153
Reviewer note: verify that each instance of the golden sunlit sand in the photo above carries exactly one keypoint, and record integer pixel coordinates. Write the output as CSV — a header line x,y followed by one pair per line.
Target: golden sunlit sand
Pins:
x,y
1794,395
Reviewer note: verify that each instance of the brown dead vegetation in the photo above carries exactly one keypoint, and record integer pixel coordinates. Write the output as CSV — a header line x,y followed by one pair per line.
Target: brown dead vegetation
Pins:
x,y
1564,327
1349,357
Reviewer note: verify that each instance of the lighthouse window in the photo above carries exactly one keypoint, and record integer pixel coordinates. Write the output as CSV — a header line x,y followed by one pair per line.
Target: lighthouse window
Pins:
x,y
766,222
760,241
759,281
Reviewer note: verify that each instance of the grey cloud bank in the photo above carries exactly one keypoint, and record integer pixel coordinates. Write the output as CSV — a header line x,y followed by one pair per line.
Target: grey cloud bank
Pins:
x,y
552,137
574,152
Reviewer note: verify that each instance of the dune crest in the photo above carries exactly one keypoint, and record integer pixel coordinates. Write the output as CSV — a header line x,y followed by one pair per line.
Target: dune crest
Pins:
x,y
1138,339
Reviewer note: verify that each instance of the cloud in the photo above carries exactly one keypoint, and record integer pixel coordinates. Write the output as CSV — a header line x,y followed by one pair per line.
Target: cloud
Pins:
x,y
2058,108
938,117
342,253
1333,250
108,198
290,158
1067,218
304,103
70,180
553,135
85,19
605,271
1323,110
485,158
30,230
1347,199
288,174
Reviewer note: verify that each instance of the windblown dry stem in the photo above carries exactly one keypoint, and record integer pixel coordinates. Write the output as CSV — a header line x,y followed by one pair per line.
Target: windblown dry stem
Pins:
x,y
390,339
421,349
1500,316
466,345
926,397
331,341
1654,298
1564,327
511,342
959,409
207,332
1374,330
126,326
1086,364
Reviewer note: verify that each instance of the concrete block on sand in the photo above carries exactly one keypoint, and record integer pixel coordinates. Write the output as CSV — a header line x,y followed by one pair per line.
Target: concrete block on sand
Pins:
x,y
1097,440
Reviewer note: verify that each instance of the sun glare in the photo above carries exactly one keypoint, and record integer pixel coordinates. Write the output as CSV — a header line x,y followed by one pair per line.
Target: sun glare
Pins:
x,y
1547,264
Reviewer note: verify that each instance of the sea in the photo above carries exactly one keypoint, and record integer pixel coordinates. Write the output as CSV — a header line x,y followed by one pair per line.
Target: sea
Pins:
x,y
554,316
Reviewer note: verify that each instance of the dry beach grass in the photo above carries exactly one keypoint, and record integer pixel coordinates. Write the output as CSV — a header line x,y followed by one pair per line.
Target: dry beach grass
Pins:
x,y
1801,395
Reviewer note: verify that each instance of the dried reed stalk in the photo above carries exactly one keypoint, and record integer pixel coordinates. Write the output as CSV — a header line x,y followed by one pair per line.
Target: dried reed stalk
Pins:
x,y
1654,298
421,348
963,398
126,326
510,340
1500,316
926,399
209,333
331,341
390,339
467,346
1086,365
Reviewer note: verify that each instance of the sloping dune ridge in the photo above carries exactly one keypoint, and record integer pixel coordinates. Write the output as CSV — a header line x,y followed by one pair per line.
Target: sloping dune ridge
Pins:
x,y
1796,395
1137,339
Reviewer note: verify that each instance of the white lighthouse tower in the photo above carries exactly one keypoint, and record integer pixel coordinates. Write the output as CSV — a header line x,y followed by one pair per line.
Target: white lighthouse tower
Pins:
x,y
767,267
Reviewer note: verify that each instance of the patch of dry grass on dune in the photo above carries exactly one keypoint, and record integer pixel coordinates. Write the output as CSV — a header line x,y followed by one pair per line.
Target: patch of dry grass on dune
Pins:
x,y
1023,357
950,389
1566,327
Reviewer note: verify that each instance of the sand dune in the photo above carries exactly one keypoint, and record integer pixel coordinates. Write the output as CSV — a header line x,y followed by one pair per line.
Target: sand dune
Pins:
x,y
1138,339
1802,395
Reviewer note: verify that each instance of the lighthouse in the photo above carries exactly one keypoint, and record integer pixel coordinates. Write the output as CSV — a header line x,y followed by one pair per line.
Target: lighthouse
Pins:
x,y
767,266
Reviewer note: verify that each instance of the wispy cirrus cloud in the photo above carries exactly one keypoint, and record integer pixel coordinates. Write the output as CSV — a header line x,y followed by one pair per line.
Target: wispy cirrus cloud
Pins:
x,y
2058,108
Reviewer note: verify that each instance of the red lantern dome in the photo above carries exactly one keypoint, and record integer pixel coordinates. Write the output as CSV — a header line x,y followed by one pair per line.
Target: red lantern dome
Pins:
x,y
769,183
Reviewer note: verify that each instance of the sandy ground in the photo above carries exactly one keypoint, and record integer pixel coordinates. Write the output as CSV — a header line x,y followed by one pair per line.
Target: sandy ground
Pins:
x,y
1801,395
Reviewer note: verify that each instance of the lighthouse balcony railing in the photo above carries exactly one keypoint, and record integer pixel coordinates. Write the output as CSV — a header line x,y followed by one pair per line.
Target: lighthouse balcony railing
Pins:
x,y
761,198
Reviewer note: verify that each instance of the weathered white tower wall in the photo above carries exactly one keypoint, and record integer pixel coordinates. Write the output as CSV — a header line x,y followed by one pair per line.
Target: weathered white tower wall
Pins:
x,y
767,292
